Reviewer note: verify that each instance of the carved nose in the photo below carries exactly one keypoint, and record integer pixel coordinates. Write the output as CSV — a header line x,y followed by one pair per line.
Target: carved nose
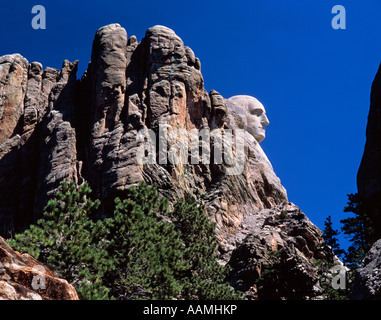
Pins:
x,y
265,121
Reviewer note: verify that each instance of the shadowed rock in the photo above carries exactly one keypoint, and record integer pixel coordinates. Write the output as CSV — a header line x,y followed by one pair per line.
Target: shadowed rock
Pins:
x,y
369,174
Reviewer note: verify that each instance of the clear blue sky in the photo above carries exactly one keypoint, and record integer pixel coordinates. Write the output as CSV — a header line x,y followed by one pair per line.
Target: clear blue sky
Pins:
x,y
313,80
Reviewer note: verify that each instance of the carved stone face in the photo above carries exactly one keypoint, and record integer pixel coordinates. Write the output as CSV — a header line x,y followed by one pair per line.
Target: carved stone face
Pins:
x,y
252,113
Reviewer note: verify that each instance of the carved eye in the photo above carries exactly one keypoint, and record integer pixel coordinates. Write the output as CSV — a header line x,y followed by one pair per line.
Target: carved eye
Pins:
x,y
256,112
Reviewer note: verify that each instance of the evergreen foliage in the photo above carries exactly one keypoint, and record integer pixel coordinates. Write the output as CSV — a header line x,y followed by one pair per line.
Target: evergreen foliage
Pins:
x,y
330,237
147,251
205,276
282,279
326,278
138,253
66,239
360,232
359,229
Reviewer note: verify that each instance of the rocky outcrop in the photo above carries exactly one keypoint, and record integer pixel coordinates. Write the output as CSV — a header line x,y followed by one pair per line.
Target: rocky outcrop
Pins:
x,y
38,145
369,174
284,240
158,81
108,127
24,278
56,128
367,284
13,83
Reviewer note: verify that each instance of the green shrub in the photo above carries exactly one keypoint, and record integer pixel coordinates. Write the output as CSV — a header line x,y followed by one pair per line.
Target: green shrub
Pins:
x,y
66,239
205,277
147,251
138,253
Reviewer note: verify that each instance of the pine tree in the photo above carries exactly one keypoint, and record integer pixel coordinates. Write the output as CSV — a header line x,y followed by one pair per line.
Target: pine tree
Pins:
x,y
158,259
94,291
137,253
148,252
330,237
205,278
359,229
66,239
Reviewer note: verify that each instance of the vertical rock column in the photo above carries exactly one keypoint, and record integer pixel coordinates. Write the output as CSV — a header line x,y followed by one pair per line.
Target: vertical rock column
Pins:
x,y
369,174
58,152
110,158
13,86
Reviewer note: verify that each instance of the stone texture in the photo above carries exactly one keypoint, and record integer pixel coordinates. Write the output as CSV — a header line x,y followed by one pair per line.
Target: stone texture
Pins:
x,y
24,278
284,230
13,84
151,82
40,149
58,150
369,174
249,114
367,284
106,77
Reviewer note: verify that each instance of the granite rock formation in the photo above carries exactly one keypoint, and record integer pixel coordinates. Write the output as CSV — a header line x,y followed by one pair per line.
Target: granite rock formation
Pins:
x,y
285,232
54,127
367,284
24,278
37,139
369,173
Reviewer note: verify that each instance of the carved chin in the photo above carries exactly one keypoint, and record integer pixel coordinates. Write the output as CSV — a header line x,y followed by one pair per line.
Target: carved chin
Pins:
x,y
259,137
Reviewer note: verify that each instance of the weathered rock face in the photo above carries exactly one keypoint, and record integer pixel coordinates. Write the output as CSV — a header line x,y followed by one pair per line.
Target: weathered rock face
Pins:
x,y
367,284
37,141
131,87
24,278
54,128
281,237
369,174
